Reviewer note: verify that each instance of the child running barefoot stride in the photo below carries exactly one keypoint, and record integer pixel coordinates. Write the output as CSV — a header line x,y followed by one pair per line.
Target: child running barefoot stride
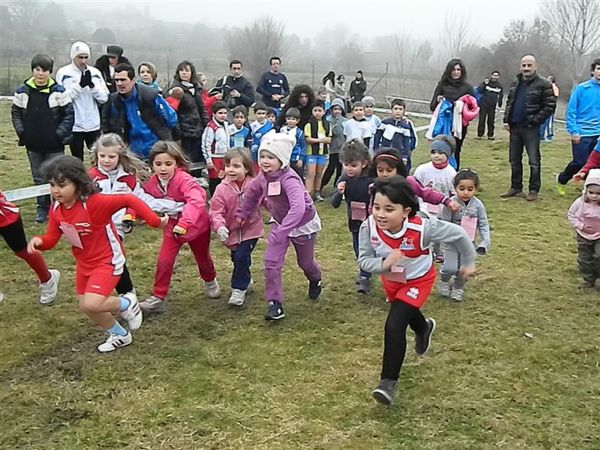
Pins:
x,y
83,217
584,215
172,180
295,219
11,229
240,239
394,242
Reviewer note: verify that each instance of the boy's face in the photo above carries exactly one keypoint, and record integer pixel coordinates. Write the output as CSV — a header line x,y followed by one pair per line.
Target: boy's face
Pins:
x,y
238,120
318,112
221,115
291,122
358,112
336,111
40,76
438,157
323,95
261,115
398,112
369,110
271,117
354,168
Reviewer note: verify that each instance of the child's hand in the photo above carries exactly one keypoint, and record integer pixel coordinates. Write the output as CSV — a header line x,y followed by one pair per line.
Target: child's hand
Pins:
x,y
299,164
481,251
580,176
32,246
210,165
454,206
341,187
467,271
164,220
179,230
327,140
393,258
223,234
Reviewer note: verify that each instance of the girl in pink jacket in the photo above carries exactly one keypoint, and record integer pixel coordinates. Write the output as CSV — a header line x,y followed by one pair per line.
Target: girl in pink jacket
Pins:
x,y
240,239
171,180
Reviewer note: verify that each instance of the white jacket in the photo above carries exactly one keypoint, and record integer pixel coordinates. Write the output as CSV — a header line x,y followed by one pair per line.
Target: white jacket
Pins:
x,y
85,100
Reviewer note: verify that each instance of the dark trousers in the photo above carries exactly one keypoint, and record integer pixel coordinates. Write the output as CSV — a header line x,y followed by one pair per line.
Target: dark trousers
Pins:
x,y
36,160
581,153
487,115
588,258
125,284
192,147
334,165
525,137
459,144
401,316
242,260
79,138
355,247
14,235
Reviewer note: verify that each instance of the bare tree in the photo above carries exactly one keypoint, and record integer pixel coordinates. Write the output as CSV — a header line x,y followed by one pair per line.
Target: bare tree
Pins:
x,y
457,35
576,24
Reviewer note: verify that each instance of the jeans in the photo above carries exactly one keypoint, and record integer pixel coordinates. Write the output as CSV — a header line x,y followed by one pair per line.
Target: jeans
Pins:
x,y
241,257
528,137
36,160
581,153
547,128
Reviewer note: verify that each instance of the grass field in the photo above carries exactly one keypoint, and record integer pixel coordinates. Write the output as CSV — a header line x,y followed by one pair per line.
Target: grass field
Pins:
x,y
515,366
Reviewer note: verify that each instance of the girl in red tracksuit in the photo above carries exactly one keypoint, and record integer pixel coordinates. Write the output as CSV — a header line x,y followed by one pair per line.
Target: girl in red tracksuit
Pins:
x,y
172,180
84,218
11,229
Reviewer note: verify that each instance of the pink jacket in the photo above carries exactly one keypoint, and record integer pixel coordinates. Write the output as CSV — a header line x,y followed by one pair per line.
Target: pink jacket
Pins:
x,y
585,218
183,188
470,108
223,205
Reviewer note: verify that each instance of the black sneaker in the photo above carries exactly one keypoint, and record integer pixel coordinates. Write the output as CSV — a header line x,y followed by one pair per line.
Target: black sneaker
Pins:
x,y
385,392
314,289
423,341
274,311
41,216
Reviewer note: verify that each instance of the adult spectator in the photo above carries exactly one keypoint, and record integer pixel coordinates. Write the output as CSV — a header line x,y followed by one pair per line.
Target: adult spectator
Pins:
x,y
138,113
329,83
85,86
106,65
583,122
147,75
530,102
547,128
273,86
491,92
208,98
303,98
237,90
452,86
358,87
42,115
341,91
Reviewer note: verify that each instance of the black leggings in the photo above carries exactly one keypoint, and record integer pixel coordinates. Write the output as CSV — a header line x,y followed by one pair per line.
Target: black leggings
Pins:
x,y
125,284
14,235
401,316
333,166
79,138
459,144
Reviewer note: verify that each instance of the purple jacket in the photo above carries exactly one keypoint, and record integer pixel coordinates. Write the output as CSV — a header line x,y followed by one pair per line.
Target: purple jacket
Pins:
x,y
292,208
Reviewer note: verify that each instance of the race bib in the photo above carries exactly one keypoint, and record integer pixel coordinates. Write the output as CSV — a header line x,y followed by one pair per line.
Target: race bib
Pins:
x,y
358,210
273,188
71,235
434,209
396,274
469,224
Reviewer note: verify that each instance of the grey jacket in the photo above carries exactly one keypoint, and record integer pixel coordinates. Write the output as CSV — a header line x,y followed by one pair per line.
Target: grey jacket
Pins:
x,y
476,209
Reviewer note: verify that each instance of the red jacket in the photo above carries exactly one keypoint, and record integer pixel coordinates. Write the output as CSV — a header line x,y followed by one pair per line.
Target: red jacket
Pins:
x,y
9,213
209,101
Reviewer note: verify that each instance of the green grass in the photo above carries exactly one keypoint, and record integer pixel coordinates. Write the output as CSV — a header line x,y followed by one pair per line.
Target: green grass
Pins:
x,y
209,376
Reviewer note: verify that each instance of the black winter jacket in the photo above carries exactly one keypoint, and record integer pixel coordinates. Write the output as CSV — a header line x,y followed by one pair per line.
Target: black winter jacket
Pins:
x,y
103,65
540,101
240,84
450,90
191,114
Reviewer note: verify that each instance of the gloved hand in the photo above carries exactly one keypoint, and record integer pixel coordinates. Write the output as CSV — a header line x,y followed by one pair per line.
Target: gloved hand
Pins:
x,y
86,79
223,234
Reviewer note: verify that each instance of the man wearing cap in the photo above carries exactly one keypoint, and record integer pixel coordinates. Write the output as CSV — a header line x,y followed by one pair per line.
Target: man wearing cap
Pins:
x,y
106,65
85,86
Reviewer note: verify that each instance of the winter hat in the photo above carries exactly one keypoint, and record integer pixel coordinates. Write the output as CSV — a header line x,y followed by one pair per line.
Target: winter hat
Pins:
x,y
280,145
79,48
340,103
593,177
442,146
114,50
368,100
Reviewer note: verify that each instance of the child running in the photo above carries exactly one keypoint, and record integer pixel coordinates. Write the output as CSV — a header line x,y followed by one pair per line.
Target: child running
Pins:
x,y
172,180
215,143
13,233
584,215
241,240
116,171
295,220
472,218
84,217
394,242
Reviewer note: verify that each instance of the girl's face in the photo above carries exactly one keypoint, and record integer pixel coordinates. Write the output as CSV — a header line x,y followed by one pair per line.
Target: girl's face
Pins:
x,y
438,157
203,81
185,74
146,75
64,192
164,166
269,162
385,170
221,115
336,111
456,72
592,192
108,158
466,190
354,168
389,216
235,170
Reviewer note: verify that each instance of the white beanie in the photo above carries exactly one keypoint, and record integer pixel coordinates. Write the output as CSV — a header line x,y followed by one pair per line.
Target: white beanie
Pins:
x,y
79,48
593,177
280,145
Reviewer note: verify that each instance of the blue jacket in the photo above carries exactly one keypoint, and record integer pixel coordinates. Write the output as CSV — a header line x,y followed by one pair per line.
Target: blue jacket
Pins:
x,y
583,111
239,137
404,138
258,132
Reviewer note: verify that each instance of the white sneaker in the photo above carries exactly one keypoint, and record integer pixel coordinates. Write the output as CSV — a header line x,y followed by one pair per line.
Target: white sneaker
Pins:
x,y
213,290
114,342
154,304
238,296
444,288
1,296
457,295
250,287
49,289
133,313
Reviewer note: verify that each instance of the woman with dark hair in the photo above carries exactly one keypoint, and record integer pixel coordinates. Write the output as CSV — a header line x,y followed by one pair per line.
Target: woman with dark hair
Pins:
x,y
303,98
358,87
191,113
329,83
452,86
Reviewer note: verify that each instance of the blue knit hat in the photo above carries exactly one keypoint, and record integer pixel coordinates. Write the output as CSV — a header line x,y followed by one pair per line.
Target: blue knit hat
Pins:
x,y
442,146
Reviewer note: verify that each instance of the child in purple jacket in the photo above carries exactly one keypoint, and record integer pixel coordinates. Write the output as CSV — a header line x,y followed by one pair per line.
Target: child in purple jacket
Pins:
x,y
295,219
